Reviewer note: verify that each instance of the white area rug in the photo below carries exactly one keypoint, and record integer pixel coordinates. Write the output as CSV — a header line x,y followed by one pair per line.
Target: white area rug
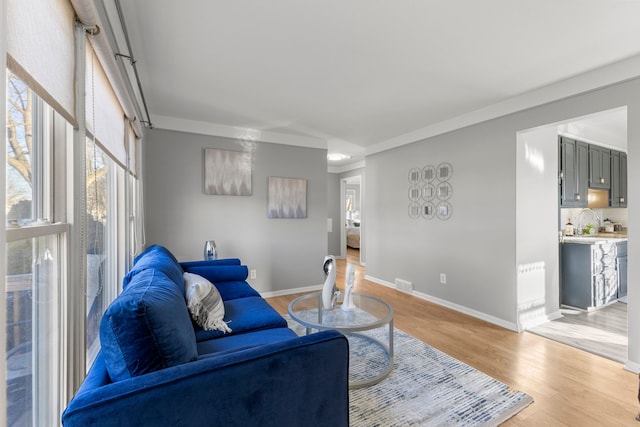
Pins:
x,y
426,388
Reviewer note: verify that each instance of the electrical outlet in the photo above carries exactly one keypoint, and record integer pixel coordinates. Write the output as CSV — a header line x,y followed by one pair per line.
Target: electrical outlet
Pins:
x,y
443,278
252,274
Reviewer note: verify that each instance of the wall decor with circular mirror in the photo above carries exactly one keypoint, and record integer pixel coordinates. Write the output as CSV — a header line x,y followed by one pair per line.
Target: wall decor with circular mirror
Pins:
x,y
430,191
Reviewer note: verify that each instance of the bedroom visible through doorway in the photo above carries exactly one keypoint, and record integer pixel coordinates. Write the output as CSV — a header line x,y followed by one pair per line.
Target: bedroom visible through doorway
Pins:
x,y
352,213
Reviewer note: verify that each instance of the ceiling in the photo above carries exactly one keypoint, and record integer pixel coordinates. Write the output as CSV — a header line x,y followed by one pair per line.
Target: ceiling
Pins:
x,y
357,75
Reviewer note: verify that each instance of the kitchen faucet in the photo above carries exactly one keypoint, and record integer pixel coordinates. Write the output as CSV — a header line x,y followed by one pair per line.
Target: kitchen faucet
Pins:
x,y
595,216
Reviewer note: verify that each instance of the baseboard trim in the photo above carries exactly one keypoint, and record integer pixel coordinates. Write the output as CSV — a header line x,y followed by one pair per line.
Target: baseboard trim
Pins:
x,y
632,366
456,307
271,294
532,323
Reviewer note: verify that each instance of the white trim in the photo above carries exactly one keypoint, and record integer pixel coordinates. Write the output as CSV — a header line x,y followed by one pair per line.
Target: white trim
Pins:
x,y
272,294
632,366
343,219
214,129
75,290
32,231
347,168
3,215
459,308
598,78
532,323
592,141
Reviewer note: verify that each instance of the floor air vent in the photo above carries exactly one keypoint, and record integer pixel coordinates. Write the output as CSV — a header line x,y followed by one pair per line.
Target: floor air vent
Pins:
x,y
404,285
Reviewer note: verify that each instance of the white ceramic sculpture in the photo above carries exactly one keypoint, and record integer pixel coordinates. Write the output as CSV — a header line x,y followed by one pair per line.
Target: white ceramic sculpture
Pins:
x,y
329,292
349,280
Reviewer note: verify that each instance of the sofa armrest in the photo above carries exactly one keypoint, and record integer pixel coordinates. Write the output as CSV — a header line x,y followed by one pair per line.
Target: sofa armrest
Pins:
x,y
301,381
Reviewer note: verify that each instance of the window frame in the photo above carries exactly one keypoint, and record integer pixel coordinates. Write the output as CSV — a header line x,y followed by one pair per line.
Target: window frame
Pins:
x,y
47,378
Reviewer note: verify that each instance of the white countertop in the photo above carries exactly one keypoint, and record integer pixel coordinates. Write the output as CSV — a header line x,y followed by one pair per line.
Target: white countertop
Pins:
x,y
595,238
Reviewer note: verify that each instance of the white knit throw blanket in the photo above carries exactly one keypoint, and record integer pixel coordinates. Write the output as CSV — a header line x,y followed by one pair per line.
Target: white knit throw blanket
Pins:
x,y
205,304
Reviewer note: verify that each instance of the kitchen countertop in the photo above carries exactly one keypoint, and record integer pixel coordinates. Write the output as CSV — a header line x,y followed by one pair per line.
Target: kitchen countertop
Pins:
x,y
595,238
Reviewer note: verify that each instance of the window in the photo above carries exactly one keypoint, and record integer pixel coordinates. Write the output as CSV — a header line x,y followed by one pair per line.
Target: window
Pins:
x,y
102,253
20,149
73,209
35,258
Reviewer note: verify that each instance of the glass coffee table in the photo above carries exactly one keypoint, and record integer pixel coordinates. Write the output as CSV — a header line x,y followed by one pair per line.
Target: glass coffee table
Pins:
x,y
370,358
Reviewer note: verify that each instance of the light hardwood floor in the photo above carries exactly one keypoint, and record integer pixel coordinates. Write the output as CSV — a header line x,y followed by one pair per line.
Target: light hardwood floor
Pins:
x,y
570,387
602,332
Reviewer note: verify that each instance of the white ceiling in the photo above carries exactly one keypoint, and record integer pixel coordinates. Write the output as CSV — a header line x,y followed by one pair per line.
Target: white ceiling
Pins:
x,y
356,75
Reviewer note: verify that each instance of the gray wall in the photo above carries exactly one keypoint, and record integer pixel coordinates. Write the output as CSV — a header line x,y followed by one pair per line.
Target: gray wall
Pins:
x,y
537,250
476,248
333,209
286,253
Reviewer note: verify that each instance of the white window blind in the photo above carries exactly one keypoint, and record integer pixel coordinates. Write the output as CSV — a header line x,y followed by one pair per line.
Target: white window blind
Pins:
x,y
87,14
40,50
104,116
131,146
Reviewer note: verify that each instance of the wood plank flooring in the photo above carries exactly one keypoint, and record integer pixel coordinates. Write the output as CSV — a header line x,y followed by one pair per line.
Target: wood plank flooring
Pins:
x,y
570,387
602,332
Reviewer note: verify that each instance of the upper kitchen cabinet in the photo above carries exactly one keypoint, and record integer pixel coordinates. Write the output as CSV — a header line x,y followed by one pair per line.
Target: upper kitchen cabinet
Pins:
x,y
599,167
618,193
574,172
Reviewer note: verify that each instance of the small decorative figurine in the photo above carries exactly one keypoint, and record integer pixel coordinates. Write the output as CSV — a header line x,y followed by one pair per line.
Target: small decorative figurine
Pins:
x,y
329,291
349,279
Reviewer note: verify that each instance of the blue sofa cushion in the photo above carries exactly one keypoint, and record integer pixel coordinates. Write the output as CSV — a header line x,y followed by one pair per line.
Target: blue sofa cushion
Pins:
x,y
244,315
243,341
159,258
210,263
230,280
147,328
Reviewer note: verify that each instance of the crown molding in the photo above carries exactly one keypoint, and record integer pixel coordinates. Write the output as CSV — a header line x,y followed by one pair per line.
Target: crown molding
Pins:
x,y
347,168
601,77
235,132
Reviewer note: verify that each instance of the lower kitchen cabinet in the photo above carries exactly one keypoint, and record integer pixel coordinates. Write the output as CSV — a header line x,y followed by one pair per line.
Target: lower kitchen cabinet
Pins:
x,y
621,266
590,274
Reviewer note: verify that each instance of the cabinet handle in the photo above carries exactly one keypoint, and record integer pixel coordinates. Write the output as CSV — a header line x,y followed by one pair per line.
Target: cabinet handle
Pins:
x,y
601,180
621,199
577,196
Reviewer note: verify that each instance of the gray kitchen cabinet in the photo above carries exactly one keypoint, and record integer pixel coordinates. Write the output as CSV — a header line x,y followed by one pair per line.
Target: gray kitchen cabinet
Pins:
x,y
599,167
618,193
589,276
621,266
573,172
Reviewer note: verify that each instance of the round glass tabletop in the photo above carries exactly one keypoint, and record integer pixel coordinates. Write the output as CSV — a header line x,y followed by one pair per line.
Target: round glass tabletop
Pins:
x,y
369,313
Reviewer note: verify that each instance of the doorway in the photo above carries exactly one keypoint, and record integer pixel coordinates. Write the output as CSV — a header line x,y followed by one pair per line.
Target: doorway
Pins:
x,y
539,289
352,238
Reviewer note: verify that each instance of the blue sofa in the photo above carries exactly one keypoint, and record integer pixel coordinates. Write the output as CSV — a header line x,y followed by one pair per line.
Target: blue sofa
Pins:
x,y
156,367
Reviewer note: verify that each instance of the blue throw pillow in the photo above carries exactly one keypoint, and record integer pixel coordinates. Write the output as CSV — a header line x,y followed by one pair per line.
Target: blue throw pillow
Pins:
x,y
159,258
147,328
